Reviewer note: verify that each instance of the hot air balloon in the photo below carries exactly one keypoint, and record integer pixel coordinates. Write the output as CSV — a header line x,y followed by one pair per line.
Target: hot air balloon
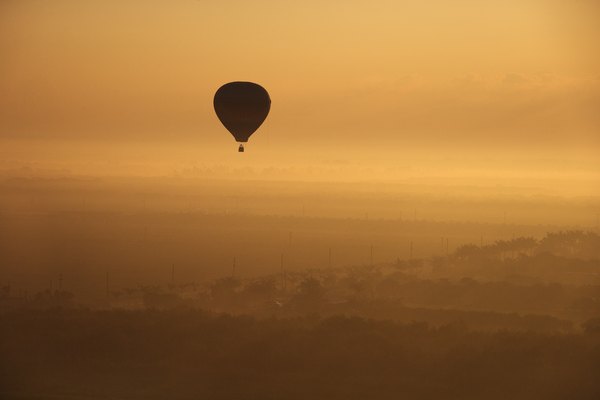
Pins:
x,y
242,107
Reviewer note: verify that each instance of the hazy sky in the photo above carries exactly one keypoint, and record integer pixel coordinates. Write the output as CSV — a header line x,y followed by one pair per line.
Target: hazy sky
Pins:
x,y
427,73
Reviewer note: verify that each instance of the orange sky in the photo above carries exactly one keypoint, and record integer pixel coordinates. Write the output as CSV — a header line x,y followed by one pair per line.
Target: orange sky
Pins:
x,y
367,74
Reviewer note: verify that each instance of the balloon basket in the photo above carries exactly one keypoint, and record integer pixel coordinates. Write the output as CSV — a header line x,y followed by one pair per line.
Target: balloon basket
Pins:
x,y
241,148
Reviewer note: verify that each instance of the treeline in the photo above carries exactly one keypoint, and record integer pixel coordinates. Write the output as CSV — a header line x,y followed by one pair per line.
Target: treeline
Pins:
x,y
517,284
522,276
568,244
184,354
571,257
396,296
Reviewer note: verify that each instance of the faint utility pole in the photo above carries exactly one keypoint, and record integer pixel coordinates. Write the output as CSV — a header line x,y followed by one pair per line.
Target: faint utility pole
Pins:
x,y
282,273
107,286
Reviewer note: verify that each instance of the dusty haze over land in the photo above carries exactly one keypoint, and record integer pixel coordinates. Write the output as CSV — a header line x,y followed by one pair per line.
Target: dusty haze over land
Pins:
x,y
418,216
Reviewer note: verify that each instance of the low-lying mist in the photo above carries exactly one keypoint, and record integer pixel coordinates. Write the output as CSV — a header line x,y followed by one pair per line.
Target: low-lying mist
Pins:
x,y
195,284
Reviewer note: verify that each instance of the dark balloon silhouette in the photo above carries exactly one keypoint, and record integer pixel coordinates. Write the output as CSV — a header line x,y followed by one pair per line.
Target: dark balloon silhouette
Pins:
x,y
242,107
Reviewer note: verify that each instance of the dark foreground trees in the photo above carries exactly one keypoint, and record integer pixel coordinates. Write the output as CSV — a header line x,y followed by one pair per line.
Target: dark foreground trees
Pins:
x,y
193,355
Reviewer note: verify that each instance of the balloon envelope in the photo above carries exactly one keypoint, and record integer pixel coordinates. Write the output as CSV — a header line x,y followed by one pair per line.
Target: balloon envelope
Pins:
x,y
242,107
